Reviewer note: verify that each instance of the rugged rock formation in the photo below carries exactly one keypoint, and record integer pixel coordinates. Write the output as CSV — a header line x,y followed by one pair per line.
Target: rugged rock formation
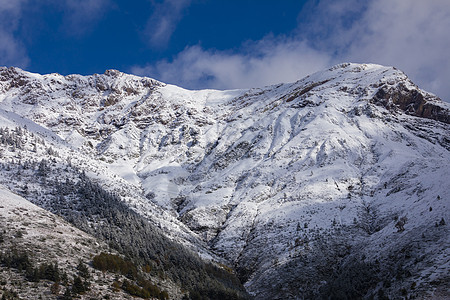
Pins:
x,y
412,102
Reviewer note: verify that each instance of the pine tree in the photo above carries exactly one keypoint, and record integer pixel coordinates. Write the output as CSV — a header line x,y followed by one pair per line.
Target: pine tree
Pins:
x,y
78,286
67,295
82,270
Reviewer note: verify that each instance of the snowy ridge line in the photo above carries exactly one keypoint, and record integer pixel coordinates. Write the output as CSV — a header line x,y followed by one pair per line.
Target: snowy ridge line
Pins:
x,y
17,120
269,178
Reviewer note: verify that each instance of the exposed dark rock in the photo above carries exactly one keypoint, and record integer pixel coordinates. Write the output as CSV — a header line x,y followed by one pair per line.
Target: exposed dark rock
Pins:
x,y
411,102
305,90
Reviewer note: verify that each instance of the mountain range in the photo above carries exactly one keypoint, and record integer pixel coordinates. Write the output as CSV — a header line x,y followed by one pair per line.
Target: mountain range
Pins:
x,y
335,186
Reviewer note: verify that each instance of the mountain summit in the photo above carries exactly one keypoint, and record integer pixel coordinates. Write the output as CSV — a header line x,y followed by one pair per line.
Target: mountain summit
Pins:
x,y
334,186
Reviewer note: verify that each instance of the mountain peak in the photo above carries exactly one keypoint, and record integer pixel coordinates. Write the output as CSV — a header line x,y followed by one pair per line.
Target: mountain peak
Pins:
x,y
286,182
384,86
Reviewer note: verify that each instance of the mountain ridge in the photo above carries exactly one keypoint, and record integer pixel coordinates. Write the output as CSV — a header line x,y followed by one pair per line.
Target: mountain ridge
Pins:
x,y
263,178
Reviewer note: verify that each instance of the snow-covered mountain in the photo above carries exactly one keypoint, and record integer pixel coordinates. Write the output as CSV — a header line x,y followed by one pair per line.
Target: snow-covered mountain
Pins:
x,y
336,185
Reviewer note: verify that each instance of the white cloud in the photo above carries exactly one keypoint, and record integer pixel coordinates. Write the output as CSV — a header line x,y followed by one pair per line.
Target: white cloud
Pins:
x,y
11,6
164,20
82,15
411,35
260,63
12,52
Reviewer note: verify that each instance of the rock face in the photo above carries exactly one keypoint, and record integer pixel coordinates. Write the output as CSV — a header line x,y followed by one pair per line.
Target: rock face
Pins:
x,y
412,102
299,186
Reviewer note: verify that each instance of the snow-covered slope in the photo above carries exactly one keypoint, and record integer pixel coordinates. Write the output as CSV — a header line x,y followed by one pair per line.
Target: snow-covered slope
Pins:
x,y
47,240
267,178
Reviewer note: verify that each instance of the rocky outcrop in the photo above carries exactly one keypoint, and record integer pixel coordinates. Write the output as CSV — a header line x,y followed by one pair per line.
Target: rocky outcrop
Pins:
x,y
412,102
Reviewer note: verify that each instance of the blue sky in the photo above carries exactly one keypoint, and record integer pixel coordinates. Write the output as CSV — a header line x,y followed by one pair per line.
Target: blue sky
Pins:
x,y
227,43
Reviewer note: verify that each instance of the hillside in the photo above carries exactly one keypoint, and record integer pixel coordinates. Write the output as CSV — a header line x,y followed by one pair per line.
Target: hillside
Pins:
x,y
34,238
336,185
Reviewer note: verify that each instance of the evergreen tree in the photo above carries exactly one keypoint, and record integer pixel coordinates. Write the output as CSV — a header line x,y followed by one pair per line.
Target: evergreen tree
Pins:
x,y
83,270
78,286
